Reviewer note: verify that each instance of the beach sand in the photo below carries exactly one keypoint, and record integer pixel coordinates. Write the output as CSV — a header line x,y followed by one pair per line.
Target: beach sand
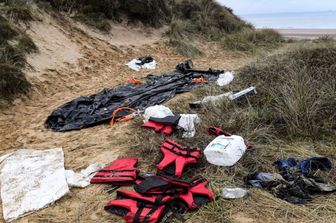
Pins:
x,y
307,33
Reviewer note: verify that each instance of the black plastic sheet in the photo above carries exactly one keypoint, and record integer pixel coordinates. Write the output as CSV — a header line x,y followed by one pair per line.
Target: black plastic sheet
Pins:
x,y
87,111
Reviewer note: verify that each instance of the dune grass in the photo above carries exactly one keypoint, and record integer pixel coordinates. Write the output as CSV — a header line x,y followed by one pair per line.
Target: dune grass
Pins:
x,y
14,44
293,115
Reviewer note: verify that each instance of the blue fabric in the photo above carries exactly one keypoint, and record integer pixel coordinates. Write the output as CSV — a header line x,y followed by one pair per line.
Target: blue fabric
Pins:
x,y
305,166
285,164
315,163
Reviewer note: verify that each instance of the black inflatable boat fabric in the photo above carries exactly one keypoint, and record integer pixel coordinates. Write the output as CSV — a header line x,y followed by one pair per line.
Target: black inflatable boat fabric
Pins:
x,y
87,111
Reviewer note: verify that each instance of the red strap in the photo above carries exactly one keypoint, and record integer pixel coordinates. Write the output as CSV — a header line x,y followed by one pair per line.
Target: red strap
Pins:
x,y
218,131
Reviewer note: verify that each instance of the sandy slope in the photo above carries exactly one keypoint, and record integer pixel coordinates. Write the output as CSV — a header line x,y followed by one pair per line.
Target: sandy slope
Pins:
x,y
74,61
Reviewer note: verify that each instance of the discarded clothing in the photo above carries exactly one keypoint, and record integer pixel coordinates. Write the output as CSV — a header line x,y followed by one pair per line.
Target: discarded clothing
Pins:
x,y
121,172
306,166
191,194
162,120
81,179
176,157
165,125
225,79
298,182
98,108
225,150
232,96
301,190
142,63
30,180
263,180
187,122
156,196
134,207
159,127
234,193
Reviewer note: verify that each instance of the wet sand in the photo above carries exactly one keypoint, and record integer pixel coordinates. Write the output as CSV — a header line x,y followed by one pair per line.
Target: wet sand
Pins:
x,y
307,33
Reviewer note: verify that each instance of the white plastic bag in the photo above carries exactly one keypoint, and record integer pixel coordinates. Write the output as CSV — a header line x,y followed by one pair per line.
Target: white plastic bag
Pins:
x,y
133,64
157,111
30,180
225,150
82,179
233,193
225,79
187,123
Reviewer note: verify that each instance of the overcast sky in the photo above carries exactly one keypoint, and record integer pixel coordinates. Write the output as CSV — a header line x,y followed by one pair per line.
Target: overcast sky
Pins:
x,y
242,7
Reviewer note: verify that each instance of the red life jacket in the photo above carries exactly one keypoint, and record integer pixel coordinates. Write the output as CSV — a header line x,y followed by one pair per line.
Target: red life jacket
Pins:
x,y
176,157
135,208
188,195
159,127
121,172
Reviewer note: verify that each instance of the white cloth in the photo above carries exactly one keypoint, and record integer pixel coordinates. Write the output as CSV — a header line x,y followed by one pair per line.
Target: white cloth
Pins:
x,y
134,66
157,111
187,123
225,79
82,179
32,179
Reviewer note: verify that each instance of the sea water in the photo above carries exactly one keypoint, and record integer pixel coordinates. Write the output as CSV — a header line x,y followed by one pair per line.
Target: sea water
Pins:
x,y
301,20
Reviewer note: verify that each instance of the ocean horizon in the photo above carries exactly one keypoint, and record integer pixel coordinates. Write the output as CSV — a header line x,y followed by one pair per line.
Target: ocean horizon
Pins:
x,y
293,20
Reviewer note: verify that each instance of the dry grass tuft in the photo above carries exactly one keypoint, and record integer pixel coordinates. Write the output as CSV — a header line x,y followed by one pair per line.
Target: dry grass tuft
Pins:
x,y
14,44
297,89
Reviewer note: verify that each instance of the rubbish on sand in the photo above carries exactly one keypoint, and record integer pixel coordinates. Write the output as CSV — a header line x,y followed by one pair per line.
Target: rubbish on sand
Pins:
x,y
82,179
157,111
30,180
87,111
121,172
180,189
306,166
162,120
187,122
135,81
177,157
161,195
225,79
156,196
166,125
263,179
232,96
234,193
225,150
297,183
146,62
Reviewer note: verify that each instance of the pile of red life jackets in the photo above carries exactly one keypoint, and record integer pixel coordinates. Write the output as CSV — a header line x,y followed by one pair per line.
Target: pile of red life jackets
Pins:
x,y
156,196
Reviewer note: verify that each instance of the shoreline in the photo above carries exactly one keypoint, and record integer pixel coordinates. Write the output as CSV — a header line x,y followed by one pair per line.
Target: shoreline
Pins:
x,y
309,34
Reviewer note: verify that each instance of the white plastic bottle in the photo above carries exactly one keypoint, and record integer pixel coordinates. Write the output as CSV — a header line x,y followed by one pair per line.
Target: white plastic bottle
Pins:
x,y
225,150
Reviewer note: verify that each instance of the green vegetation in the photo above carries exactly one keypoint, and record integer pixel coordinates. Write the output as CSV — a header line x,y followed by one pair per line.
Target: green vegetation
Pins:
x,y
14,44
209,20
250,40
187,20
293,114
98,13
297,89
18,9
